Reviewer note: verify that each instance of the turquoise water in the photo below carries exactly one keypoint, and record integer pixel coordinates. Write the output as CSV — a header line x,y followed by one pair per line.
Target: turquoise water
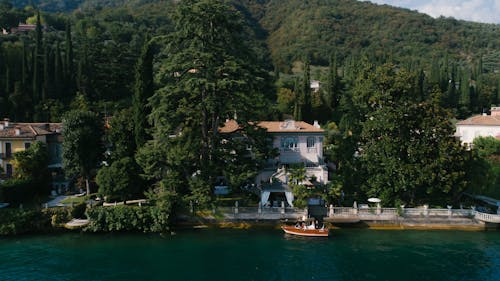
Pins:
x,y
208,254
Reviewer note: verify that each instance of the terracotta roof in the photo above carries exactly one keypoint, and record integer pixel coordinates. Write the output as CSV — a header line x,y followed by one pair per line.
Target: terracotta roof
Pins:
x,y
288,126
482,120
28,130
230,126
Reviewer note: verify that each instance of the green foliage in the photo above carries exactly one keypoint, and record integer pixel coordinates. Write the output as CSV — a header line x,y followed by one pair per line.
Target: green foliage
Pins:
x,y
301,194
144,89
82,147
32,164
407,148
120,136
16,191
78,211
127,218
15,221
487,146
120,181
209,71
484,167
58,216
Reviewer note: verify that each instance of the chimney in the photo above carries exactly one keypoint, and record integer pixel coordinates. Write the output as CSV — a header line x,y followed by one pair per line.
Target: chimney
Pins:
x,y
18,131
6,122
316,124
495,111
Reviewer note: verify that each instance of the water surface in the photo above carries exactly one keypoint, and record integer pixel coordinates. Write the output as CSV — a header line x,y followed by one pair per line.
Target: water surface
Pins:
x,y
208,254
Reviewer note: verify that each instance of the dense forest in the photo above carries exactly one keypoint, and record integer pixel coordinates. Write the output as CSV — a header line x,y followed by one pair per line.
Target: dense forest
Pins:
x,y
386,74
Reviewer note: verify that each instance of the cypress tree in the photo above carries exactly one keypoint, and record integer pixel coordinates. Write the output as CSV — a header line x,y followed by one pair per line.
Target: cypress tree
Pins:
x,y
332,96
464,99
497,101
297,108
7,80
435,73
306,91
144,89
37,75
24,67
58,79
46,76
68,62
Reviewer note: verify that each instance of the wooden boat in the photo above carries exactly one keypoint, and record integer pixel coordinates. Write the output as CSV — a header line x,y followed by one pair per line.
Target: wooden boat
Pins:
x,y
306,231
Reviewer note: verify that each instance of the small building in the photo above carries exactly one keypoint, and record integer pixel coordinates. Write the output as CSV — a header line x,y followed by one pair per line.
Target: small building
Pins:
x,y
23,28
483,125
15,137
298,143
315,86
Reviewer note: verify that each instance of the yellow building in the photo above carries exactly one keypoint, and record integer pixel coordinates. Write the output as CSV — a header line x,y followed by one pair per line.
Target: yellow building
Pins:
x,y
16,137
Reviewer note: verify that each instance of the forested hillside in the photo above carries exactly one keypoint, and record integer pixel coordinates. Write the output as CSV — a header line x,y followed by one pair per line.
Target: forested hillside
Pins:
x,y
319,28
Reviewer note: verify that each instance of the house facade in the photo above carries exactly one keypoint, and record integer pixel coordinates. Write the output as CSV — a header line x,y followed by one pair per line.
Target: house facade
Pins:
x,y
15,137
479,126
299,144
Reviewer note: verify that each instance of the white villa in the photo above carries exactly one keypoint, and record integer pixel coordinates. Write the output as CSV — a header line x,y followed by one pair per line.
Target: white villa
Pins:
x,y
297,142
479,126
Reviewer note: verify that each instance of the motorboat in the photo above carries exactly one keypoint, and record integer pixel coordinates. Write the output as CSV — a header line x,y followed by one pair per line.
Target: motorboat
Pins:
x,y
306,230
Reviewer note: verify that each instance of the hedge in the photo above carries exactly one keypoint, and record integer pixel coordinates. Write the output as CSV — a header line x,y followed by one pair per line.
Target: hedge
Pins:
x,y
127,218
18,190
16,221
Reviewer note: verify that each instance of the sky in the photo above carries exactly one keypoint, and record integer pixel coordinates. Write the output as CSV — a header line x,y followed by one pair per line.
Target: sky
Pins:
x,y
487,11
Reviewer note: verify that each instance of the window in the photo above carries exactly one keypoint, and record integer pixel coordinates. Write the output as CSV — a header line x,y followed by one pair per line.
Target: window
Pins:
x,y
8,149
289,143
27,145
8,170
311,142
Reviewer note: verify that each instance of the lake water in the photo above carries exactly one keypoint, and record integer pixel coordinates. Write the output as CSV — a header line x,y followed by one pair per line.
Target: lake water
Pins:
x,y
210,254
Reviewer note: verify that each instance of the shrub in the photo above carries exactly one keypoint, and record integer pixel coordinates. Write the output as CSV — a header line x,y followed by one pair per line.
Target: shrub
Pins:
x,y
127,218
18,191
15,221
78,211
58,216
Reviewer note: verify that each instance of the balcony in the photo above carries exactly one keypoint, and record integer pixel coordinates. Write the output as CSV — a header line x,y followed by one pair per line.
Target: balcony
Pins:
x,y
5,156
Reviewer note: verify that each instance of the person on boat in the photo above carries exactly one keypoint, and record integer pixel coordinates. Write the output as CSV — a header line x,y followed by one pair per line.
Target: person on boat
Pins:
x,y
312,226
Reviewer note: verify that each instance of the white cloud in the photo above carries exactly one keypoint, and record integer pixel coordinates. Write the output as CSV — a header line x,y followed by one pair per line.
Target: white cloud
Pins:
x,y
487,11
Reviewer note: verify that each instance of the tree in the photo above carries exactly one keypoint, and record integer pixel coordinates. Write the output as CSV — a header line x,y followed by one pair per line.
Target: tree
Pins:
x,y
306,92
120,181
209,72
120,135
68,61
37,61
82,146
144,89
407,147
32,164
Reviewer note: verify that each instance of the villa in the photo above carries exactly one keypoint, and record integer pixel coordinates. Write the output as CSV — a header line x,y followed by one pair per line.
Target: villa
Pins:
x,y
479,126
298,143
15,137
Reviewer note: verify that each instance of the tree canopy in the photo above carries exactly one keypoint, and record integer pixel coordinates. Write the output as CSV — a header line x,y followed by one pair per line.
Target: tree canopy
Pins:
x,y
82,146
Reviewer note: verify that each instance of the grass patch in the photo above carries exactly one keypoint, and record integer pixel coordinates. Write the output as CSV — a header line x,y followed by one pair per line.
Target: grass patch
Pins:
x,y
77,200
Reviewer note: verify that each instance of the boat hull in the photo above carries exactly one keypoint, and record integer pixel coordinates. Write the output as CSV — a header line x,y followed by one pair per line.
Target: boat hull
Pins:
x,y
306,232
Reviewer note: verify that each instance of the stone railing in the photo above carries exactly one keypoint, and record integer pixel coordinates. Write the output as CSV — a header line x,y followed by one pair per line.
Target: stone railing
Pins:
x,y
394,213
258,213
492,218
